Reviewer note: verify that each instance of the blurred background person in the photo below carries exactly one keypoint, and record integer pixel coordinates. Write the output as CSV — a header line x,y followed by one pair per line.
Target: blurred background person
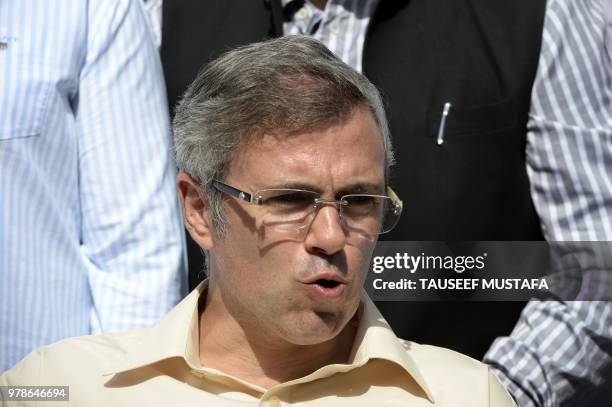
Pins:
x,y
91,237
559,354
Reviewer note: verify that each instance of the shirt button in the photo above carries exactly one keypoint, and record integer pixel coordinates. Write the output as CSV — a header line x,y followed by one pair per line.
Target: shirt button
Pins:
x,y
302,14
334,27
274,401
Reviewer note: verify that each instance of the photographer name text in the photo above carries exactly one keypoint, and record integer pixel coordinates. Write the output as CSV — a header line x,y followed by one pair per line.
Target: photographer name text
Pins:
x,y
462,284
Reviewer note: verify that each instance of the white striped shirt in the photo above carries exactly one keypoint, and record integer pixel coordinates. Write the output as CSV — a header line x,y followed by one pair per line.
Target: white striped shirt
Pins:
x,y
342,26
154,11
90,230
558,350
607,6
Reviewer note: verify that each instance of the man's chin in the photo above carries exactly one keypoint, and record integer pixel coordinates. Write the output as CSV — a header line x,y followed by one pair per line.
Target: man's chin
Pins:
x,y
318,327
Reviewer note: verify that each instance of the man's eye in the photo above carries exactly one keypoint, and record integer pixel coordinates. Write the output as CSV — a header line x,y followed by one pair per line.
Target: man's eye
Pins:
x,y
362,205
291,199
361,200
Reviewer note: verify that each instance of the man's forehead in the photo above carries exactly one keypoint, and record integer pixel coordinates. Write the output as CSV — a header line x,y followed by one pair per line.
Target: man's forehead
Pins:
x,y
351,152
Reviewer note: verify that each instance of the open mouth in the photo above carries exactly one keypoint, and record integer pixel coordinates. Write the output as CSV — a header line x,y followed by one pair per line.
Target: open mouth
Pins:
x,y
326,283
326,289
328,286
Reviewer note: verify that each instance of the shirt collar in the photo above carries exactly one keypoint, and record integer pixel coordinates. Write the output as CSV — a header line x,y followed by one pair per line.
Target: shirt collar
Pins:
x,y
177,335
376,340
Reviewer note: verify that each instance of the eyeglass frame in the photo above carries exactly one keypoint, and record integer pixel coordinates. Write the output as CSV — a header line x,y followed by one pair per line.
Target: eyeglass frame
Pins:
x,y
258,200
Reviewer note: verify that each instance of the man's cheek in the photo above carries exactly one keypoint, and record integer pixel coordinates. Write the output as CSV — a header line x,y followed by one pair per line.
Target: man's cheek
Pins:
x,y
362,255
359,266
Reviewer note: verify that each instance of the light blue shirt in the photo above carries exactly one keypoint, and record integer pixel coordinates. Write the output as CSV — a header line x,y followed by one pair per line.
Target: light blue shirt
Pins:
x,y
90,230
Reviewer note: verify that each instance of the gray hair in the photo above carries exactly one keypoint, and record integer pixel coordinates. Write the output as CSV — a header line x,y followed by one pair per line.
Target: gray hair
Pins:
x,y
284,86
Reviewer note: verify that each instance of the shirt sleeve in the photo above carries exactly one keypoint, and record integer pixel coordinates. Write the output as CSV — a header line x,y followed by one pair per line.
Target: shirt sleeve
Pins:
x,y
132,231
558,351
608,36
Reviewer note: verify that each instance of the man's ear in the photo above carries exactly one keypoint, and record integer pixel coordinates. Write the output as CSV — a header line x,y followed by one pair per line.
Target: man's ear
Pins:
x,y
195,211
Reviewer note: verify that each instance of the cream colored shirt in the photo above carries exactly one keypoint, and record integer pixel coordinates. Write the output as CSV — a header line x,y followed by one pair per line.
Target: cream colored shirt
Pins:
x,y
160,367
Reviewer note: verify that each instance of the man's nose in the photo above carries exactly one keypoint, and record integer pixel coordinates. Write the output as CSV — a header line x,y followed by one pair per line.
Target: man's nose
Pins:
x,y
326,234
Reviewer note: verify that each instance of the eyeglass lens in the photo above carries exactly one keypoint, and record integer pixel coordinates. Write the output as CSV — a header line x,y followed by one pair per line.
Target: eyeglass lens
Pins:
x,y
292,211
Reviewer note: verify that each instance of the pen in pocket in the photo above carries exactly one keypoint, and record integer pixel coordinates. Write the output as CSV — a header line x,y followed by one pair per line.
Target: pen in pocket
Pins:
x,y
445,111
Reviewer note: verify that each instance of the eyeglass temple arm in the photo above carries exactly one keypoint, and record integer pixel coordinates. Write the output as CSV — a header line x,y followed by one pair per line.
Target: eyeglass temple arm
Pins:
x,y
391,194
220,186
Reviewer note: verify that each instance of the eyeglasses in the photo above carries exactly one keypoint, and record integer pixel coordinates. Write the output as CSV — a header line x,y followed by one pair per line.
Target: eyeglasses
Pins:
x,y
291,211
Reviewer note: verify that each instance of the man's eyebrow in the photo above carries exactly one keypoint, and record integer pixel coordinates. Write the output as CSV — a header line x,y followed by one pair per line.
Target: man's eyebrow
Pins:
x,y
363,188
354,188
294,185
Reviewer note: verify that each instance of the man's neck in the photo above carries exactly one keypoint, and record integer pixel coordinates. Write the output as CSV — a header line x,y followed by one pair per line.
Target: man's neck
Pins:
x,y
320,4
227,346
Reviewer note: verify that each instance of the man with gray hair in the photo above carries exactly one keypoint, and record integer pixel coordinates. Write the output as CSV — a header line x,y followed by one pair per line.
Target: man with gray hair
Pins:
x,y
284,154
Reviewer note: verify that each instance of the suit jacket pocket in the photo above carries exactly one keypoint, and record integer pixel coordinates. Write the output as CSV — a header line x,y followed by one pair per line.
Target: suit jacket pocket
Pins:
x,y
473,120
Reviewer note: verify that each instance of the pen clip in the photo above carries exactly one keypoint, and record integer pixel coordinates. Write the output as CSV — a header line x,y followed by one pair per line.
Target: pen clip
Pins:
x,y
445,110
